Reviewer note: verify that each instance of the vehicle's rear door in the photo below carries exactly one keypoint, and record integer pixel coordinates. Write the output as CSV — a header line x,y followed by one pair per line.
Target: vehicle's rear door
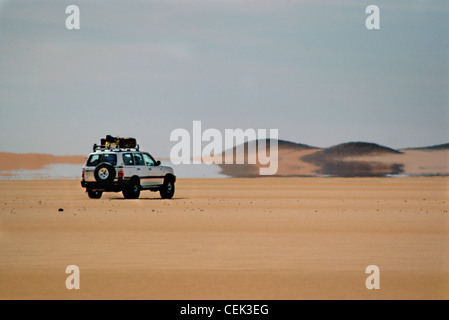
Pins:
x,y
129,167
94,160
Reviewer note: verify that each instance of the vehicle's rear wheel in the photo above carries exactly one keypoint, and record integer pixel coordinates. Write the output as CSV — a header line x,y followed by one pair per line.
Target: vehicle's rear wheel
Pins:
x,y
168,189
132,190
94,194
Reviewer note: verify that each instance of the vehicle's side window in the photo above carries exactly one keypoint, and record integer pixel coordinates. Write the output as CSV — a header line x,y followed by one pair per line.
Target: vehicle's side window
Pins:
x,y
93,160
111,158
96,159
128,159
138,159
148,160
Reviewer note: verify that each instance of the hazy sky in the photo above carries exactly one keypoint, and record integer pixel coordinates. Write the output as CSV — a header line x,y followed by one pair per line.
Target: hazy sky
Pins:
x,y
144,68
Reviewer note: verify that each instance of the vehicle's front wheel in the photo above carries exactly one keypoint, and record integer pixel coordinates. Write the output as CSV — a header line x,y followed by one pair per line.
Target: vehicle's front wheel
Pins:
x,y
132,190
168,189
94,194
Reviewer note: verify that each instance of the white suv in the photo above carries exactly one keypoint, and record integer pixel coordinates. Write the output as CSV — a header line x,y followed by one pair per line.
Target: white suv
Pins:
x,y
127,170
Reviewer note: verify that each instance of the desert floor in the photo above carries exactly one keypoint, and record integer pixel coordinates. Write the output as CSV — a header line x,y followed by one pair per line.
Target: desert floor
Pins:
x,y
263,238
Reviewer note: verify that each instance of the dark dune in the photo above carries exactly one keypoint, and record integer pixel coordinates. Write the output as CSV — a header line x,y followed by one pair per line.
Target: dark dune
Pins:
x,y
292,145
444,146
240,170
334,160
252,170
282,144
354,149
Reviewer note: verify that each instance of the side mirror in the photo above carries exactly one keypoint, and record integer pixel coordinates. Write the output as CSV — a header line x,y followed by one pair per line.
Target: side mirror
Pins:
x,y
158,163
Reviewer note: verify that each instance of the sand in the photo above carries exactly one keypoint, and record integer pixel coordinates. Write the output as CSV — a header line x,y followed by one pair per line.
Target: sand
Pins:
x,y
34,161
266,238
416,162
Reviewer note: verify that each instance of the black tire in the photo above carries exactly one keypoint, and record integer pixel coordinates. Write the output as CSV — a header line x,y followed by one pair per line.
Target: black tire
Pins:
x,y
104,174
94,194
168,188
132,190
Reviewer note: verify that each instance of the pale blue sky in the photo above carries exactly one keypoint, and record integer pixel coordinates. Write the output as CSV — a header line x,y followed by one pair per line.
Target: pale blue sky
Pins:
x,y
144,68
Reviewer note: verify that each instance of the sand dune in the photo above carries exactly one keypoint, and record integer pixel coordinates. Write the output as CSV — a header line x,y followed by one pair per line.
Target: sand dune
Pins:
x,y
290,161
415,162
355,159
33,161
266,238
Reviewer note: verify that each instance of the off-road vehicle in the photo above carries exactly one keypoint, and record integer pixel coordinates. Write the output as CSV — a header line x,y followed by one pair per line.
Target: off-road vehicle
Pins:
x,y
117,165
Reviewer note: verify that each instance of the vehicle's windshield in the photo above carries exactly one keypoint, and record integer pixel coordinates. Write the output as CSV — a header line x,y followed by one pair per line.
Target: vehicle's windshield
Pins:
x,y
96,159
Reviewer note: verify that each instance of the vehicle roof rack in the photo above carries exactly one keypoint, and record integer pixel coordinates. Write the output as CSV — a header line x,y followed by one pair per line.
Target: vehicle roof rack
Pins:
x,y
116,144
100,147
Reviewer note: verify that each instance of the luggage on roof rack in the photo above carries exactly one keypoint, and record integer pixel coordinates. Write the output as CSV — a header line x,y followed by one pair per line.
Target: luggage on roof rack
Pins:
x,y
111,142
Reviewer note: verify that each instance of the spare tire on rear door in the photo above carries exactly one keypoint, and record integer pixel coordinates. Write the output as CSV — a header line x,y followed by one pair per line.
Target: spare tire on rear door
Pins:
x,y
104,174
